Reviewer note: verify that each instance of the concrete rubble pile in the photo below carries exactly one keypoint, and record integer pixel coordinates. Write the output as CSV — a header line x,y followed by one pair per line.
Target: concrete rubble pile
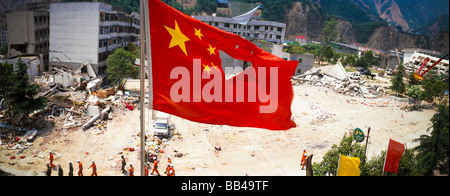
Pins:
x,y
75,100
335,77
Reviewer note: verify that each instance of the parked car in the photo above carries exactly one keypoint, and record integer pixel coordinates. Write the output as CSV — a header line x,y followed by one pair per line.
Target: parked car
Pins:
x,y
355,76
368,74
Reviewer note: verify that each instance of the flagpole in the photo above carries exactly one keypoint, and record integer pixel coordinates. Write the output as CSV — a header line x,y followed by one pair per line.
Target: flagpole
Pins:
x,y
142,87
367,142
149,60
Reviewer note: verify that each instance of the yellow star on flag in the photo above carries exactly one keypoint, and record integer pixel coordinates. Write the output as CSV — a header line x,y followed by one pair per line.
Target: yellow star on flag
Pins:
x,y
207,69
198,32
211,50
178,38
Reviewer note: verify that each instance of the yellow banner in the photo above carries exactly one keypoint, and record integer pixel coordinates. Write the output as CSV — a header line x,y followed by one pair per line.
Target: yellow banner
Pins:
x,y
348,166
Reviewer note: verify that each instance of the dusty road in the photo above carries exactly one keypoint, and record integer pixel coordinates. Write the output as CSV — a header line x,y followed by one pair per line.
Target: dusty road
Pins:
x,y
245,151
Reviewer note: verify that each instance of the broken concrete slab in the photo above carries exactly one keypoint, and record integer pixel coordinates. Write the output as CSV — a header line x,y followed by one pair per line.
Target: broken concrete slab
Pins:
x,y
364,90
90,70
93,110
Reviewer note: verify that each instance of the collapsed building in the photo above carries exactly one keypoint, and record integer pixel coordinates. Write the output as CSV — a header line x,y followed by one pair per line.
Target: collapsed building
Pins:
x,y
335,77
415,61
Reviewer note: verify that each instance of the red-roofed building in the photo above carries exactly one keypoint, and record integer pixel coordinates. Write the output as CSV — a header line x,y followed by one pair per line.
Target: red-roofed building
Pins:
x,y
300,39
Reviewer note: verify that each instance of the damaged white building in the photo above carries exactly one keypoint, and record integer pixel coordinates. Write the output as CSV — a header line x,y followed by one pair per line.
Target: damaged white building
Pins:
x,y
415,57
83,32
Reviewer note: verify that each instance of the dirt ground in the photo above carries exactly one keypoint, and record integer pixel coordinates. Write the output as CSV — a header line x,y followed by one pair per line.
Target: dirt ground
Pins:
x,y
244,151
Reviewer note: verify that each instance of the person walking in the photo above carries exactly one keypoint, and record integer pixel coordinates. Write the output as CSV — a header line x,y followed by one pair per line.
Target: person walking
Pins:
x,y
146,169
131,170
51,160
70,169
94,168
304,156
124,163
155,166
170,170
60,171
80,168
49,170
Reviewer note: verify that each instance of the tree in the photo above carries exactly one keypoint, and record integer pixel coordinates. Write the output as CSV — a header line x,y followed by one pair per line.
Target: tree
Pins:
x,y
23,94
3,50
397,81
330,33
6,78
349,59
126,5
415,93
328,53
369,59
366,60
131,47
330,161
408,165
434,85
120,65
433,150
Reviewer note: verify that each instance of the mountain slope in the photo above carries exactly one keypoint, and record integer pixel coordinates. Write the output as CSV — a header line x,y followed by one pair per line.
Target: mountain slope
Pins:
x,y
406,14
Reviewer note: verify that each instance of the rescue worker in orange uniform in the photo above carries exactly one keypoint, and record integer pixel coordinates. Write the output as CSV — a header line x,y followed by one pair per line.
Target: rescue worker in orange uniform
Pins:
x,y
131,170
80,168
170,170
94,169
146,170
51,160
155,166
304,156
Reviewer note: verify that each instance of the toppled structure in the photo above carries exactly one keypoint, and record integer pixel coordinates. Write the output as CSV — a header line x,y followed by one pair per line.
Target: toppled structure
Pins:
x,y
336,77
415,61
77,99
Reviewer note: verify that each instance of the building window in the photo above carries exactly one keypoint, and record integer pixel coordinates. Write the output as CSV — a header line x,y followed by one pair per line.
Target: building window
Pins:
x,y
216,24
280,29
227,25
256,27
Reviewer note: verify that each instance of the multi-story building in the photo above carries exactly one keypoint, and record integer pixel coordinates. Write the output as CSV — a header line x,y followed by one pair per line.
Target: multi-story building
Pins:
x,y
89,32
416,60
3,36
255,30
28,33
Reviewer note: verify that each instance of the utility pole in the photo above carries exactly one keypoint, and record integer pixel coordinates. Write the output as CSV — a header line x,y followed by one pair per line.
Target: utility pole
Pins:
x,y
367,141
142,86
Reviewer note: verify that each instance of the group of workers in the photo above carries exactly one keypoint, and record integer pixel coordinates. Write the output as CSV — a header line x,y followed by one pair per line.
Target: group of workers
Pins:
x,y
50,166
170,171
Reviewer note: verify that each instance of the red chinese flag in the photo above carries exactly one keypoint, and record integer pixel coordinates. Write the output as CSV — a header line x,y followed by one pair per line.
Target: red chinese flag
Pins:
x,y
393,156
189,80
